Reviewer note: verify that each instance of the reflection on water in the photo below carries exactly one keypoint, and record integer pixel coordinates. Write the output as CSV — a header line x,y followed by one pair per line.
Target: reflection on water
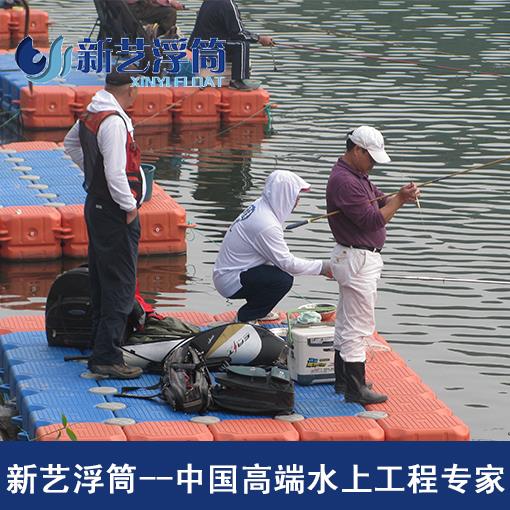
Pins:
x,y
433,77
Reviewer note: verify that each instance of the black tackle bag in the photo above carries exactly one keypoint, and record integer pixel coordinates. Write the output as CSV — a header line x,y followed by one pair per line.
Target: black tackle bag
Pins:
x,y
68,310
254,390
185,383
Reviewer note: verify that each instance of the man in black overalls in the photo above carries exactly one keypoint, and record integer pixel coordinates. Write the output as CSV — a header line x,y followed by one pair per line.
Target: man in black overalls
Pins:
x,y
102,144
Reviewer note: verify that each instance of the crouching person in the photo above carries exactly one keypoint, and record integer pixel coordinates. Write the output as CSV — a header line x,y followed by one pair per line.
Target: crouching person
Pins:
x,y
254,262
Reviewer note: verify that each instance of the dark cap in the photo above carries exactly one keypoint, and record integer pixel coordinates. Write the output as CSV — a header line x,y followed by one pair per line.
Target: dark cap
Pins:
x,y
116,79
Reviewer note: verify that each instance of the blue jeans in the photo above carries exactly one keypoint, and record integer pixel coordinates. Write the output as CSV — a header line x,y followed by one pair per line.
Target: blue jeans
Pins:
x,y
263,287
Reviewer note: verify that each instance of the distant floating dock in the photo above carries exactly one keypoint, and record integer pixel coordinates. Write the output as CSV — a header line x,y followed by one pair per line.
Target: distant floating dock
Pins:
x,y
44,387
59,103
41,208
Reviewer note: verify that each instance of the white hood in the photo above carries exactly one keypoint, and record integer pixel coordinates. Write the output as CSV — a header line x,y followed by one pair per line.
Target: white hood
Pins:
x,y
103,101
281,191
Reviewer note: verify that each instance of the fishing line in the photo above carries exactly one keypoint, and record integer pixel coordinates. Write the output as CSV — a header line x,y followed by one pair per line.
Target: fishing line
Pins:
x,y
445,279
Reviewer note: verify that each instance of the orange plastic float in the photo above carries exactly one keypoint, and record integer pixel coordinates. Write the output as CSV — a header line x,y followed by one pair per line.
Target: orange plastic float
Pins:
x,y
257,429
408,404
28,233
397,387
5,33
226,316
424,427
83,432
237,105
48,106
152,106
15,323
73,231
82,97
38,26
168,431
384,357
28,146
197,318
163,223
195,106
390,371
339,428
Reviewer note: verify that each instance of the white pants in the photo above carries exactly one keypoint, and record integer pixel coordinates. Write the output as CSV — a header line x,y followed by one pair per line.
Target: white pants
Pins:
x,y
357,272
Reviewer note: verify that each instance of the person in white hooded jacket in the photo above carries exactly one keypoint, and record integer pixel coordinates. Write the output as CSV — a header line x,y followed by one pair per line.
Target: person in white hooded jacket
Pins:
x,y
254,262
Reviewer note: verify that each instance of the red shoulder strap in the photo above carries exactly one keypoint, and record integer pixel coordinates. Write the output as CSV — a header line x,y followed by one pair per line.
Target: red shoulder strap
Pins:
x,y
92,121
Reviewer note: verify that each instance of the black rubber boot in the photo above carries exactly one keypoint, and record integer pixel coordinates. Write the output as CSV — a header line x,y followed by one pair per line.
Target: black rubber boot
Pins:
x,y
340,382
357,389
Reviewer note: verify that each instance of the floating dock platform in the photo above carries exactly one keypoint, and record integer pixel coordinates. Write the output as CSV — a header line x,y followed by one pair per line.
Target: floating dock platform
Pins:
x,y
44,387
41,208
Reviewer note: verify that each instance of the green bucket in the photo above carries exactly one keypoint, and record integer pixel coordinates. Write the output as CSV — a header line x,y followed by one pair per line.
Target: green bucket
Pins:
x,y
148,171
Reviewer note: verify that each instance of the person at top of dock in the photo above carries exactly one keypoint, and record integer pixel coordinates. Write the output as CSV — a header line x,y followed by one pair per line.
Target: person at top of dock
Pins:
x,y
162,12
222,19
254,262
102,144
356,262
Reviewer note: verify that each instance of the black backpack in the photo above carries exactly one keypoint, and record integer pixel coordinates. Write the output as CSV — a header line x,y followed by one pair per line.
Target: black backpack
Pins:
x,y
254,390
185,384
69,311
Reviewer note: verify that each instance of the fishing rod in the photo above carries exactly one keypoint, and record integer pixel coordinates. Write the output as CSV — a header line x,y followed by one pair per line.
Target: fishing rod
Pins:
x,y
440,279
374,56
292,226
335,32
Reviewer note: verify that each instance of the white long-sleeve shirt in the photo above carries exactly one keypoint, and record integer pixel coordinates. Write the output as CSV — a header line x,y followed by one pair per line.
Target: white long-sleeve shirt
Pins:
x,y
111,139
256,236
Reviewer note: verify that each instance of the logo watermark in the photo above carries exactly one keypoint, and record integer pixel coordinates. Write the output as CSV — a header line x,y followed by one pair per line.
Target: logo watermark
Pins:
x,y
162,63
41,69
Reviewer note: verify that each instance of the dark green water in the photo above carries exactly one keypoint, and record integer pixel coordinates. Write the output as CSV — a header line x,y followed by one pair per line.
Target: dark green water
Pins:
x,y
382,68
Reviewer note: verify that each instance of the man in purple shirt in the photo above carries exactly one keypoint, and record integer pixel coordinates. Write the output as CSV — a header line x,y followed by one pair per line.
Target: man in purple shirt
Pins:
x,y
359,229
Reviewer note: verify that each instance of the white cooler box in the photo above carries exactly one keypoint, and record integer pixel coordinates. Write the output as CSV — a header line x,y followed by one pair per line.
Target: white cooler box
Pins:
x,y
311,354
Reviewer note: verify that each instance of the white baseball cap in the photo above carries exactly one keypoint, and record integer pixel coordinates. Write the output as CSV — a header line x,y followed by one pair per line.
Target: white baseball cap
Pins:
x,y
372,140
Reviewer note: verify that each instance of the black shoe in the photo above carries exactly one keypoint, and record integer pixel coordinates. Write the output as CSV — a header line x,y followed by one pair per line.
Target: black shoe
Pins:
x,y
119,371
340,380
244,84
357,389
